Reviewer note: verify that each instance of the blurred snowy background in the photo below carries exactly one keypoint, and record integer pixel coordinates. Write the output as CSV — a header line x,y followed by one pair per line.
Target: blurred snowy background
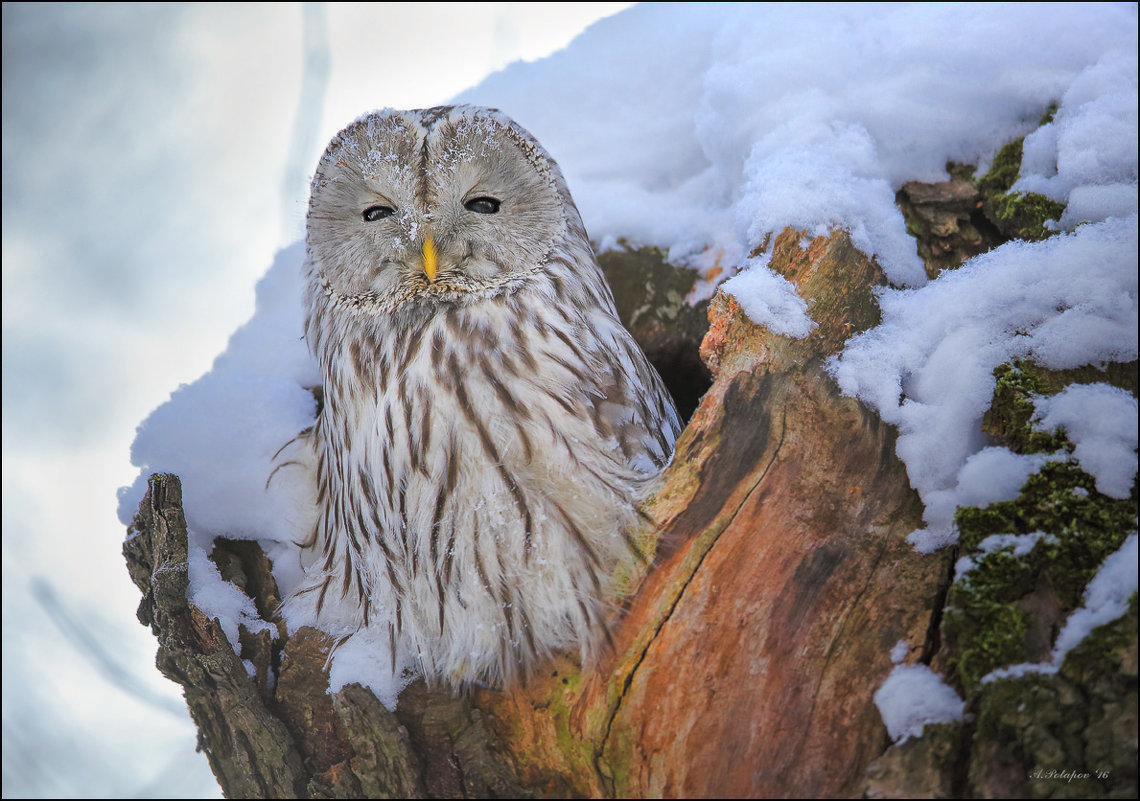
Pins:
x,y
154,159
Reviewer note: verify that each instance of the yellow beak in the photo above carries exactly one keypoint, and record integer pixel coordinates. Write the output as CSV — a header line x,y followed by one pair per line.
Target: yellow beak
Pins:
x,y
429,259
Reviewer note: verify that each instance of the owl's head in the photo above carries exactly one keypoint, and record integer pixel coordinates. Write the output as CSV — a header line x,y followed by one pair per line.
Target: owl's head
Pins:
x,y
448,204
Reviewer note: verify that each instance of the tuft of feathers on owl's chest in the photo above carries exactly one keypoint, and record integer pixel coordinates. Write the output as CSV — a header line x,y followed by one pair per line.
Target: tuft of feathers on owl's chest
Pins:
x,y
482,376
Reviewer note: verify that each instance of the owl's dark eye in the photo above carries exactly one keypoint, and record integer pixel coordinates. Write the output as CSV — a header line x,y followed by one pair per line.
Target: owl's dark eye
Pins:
x,y
374,213
482,205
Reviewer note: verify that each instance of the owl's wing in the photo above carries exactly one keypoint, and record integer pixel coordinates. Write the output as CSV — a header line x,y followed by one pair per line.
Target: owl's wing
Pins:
x,y
633,409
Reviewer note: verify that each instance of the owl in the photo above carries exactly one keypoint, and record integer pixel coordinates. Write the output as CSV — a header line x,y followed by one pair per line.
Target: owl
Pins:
x,y
488,426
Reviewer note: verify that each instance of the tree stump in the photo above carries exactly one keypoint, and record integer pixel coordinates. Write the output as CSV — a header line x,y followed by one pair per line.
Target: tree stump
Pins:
x,y
743,665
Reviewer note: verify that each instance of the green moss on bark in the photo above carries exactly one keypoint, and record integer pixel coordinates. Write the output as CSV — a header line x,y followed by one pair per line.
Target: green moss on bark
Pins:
x,y
1023,215
984,626
984,634
1066,735
1012,409
1018,215
1004,170
1006,609
955,220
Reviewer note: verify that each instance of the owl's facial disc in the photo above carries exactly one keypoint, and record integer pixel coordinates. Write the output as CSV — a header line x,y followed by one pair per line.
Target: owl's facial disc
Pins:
x,y
408,213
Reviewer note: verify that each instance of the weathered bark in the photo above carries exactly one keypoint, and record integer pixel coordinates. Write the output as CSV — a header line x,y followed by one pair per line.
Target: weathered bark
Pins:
x,y
772,621
250,750
746,664
947,221
294,740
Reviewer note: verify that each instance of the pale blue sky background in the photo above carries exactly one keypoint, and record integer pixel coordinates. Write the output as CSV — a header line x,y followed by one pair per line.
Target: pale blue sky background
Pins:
x,y
153,161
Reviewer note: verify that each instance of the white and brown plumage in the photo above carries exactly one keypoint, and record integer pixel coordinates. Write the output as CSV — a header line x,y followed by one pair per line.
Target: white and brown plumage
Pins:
x,y
488,424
